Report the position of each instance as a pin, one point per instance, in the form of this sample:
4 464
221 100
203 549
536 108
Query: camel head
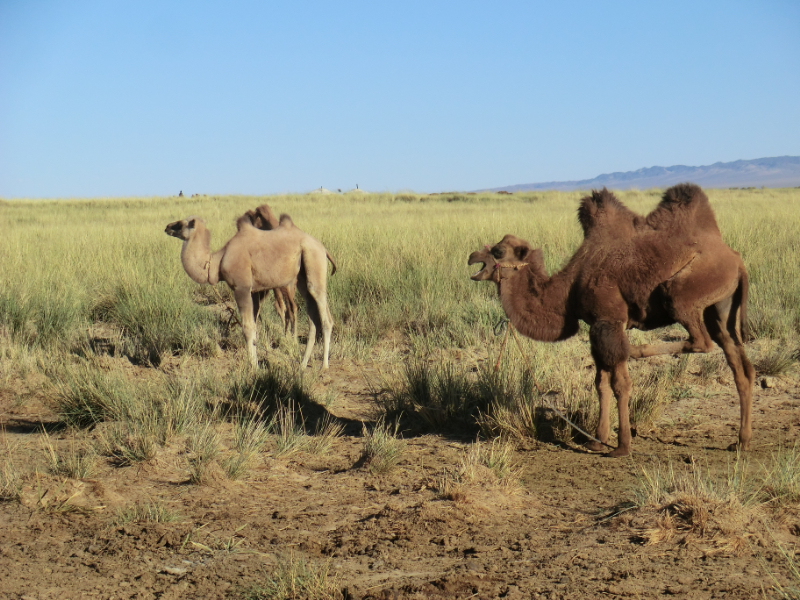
509 253
184 228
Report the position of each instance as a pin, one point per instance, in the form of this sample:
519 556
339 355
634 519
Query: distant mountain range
780 171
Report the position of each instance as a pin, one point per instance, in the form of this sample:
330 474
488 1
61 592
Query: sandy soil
568 532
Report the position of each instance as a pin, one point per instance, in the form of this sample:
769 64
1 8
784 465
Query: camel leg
602 383
280 306
621 384
699 339
291 309
722 320
257 298
244 300
313 317
319 316
610 350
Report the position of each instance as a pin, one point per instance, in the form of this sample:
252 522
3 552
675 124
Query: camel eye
497 252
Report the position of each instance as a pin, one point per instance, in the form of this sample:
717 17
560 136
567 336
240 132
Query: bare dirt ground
569 532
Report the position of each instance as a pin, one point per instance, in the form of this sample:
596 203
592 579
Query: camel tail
333 264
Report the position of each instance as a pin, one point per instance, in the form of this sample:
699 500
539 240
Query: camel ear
522 253
191 224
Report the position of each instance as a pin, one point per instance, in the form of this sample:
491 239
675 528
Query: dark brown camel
632 272
263 218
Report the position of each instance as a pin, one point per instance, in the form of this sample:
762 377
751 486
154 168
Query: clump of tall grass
146 512
86 395
144 414
688 502
249 437
649 395
203 442
43 319
266 391
10 476
326 431
76 462
782 476
131 441
445 395
483 464
712 366
382 448
290 434
776 359
296 577
157 321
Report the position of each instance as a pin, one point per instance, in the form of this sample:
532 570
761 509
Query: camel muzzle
486 260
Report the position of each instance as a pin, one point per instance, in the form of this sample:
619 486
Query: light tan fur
263 218
253 262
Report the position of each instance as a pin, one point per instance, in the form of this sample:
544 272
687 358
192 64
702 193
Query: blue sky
121 98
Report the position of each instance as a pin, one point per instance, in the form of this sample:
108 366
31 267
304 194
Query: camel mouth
487 262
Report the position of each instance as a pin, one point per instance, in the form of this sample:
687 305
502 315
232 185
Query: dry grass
10 476
76 461
382 448
155 511
484 465
691 507
204 445
775 359
297 578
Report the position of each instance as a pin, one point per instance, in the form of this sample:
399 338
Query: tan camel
286 307
632 272
263 218
253 262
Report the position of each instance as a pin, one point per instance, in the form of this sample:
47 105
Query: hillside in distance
780 171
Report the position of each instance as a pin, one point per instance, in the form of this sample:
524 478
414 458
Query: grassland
130 359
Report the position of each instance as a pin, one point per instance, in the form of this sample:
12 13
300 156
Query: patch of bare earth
566 532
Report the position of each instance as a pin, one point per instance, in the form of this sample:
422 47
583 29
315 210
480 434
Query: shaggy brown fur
253 262
632 272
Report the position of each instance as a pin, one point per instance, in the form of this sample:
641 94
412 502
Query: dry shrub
295 577
482 466
382 448
712 366
649 394
776 359
690 507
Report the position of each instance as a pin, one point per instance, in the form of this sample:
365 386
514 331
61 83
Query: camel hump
286 221
245 221
260 218
603 209
686 206
265 217
684 194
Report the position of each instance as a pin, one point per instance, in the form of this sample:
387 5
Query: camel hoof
594 446
739 446
619 452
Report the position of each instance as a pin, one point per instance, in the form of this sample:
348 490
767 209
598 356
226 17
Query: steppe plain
141 458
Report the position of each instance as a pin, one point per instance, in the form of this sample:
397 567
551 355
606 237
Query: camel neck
196 255
538 305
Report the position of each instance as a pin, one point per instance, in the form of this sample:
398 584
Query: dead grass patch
690 507
296 578
482 466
